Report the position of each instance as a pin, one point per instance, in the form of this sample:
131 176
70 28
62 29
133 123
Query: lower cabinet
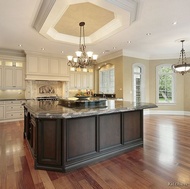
2 107
11 110
44 140
49 143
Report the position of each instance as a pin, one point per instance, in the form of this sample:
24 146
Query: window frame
106 69
173 102
142 86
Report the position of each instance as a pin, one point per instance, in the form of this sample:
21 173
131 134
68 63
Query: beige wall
128 77
118 63
124 82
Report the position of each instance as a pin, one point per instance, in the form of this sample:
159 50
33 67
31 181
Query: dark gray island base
64 139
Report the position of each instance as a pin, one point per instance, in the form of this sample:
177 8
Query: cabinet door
32 64
75 80
54 67
84 81
1 77
9 72
87 80
90 81
18 78
64 69
49 142
1 112
14 78
78 80
43 65
72 80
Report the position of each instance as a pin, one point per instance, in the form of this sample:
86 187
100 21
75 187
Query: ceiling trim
51 11
43 13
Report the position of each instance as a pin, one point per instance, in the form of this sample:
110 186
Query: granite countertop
12 99
52 109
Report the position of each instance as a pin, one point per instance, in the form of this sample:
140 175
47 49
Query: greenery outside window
165 84
107 80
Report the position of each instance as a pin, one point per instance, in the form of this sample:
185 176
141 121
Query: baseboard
167 112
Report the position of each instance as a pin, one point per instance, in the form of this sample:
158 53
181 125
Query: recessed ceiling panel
60 20
94 17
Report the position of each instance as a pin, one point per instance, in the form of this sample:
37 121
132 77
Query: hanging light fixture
83 59
183 67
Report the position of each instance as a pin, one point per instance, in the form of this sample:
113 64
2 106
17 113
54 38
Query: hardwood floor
163 162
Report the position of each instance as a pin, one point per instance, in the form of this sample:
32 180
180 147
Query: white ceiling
17 18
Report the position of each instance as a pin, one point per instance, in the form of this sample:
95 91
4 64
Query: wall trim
166 112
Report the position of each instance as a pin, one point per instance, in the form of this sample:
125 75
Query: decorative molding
110 56
9 52
129 5
51 10
43 13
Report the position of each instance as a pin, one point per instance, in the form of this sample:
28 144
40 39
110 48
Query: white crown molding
44 11
10 53
135 54
37 53
110 56
129 5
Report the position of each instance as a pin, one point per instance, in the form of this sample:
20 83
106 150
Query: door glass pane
8 63
19 64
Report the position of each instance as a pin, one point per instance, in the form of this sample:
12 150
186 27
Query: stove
55 98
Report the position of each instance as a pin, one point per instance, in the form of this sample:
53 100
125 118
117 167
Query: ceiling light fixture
84 59
183 67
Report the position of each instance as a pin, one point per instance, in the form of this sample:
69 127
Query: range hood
46 67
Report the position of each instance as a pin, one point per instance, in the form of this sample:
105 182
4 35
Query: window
107 80
165 84
138 83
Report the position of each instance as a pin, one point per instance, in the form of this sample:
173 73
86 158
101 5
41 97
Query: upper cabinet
81 80
12 75
40 67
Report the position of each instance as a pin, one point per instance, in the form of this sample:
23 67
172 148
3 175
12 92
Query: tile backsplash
45 88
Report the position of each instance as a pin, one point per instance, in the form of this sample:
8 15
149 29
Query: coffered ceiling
148 29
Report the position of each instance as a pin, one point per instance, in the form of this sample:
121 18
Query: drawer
14 115
15 102
14 107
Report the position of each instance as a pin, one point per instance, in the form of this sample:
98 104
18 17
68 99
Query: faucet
103 95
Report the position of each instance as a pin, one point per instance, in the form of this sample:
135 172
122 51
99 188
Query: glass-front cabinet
11 74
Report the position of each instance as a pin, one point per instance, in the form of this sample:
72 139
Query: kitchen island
63 139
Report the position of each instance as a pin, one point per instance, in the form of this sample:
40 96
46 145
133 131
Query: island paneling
64 139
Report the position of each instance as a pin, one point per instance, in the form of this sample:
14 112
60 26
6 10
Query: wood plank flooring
163 162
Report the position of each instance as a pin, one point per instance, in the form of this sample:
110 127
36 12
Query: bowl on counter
81 97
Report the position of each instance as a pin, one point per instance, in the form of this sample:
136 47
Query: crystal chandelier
183 67
83 59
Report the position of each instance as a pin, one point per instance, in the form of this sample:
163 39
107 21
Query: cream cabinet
81 80
2 107
1 76
87 80
14 109
75 80
12 75
43 67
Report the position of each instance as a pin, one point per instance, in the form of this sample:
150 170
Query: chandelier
83 59
183 67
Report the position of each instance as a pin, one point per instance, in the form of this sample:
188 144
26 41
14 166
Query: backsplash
45 88
12 94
